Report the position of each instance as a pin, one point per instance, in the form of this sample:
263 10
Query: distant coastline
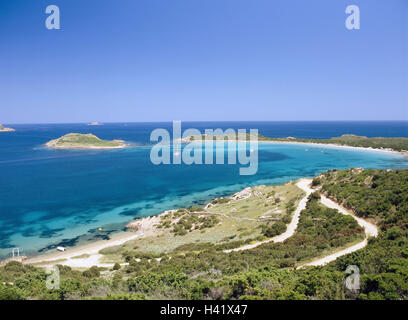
348 141
327 145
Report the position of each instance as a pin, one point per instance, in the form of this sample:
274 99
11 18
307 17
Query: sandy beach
324 145
88 255
327 145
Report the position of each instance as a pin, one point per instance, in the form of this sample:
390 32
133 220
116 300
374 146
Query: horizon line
189 121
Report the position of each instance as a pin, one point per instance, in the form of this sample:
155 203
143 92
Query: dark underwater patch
183 194
63 243
131 212
30 232
49 233
5 243
269 156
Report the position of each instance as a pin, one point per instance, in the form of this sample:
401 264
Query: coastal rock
243 194
4 129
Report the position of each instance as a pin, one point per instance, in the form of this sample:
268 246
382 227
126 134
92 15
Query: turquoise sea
60 197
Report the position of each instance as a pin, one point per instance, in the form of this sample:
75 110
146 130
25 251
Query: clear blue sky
162 60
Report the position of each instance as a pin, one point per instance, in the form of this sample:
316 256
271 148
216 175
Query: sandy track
291 228
369 228
334 256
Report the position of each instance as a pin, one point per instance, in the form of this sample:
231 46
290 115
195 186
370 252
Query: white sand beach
327 145
91 257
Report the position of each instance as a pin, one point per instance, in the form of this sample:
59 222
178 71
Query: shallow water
60 197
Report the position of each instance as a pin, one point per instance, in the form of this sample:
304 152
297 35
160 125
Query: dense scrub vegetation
375 194
205 271
187 220
382 196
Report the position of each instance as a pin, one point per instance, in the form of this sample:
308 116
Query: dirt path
369 228
291 228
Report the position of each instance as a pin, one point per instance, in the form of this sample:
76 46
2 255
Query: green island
390 144
4 129
84 141
187 256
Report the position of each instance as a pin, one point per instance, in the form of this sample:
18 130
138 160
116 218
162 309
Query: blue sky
163 60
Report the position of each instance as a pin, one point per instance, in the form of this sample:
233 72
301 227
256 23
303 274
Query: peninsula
4 129
392 144
84 141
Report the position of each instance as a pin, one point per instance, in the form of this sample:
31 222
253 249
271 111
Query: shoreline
137 228
90 249
335 145
84 147
328 145
143 226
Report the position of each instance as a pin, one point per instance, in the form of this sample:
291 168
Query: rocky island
84 141
4 129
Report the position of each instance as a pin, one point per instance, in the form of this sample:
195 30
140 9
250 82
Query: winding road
370 229
291 228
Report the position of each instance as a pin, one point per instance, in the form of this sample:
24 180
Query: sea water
61 197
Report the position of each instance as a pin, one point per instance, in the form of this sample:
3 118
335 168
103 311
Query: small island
4 129
96 123
84 141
